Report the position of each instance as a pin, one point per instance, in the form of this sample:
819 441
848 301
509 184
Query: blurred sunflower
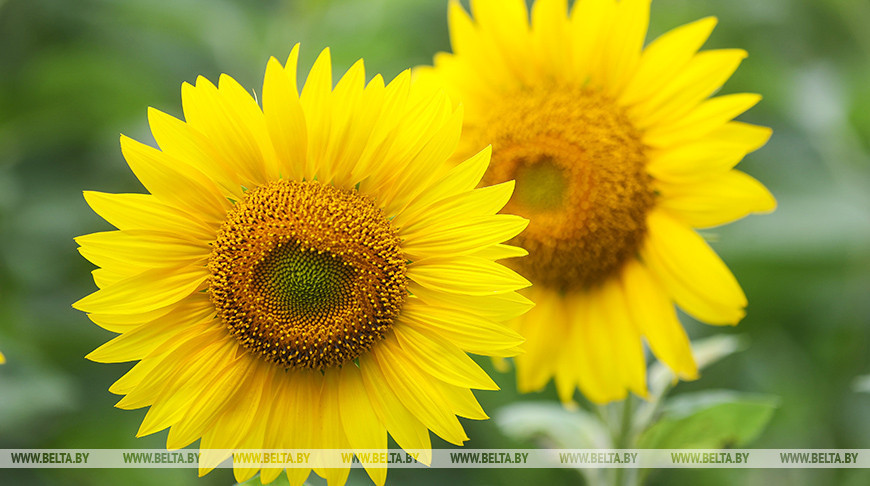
308 275
618 152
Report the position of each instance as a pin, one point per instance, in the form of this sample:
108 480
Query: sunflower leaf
710 420
549 424
281 480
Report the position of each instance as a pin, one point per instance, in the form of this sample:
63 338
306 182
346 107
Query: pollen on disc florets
579 166
307 275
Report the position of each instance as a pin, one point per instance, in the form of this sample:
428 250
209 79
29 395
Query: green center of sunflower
307 275
579 166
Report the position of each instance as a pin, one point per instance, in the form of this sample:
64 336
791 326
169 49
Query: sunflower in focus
305 275
619 153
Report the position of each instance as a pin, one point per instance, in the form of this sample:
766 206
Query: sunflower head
306 274
619 152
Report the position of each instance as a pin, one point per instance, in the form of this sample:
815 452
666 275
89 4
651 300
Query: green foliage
281 480
709 420
550 425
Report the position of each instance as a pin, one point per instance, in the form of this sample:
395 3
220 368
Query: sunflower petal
409 385
465 275
717 200
471 333
285 120
665 55
145 212
363 428
465 238
443 359
654 315
404 426
692 272
147 291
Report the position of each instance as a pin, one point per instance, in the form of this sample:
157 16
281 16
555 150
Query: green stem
623 437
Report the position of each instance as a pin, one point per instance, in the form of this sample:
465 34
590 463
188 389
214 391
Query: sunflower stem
622 439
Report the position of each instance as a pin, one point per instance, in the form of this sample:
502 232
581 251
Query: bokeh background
76 73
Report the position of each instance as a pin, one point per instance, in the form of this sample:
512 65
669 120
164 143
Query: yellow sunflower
619 153
305 275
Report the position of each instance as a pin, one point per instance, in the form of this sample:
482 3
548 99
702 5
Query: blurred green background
76 73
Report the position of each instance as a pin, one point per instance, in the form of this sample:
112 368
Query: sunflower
619 153
305 275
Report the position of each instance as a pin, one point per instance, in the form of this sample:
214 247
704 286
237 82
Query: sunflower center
579 166
307 275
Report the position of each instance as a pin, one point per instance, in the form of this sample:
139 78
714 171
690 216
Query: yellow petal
622 49
285 119
591 21
252 133
280 403
190 147
405 427
499 307
139 342
750 137
361 424
654 315
317 106
506 22
500 251
126 322
462 401
544 328
716 200
331 433
704 74
594 349
691 271
240 426
471 333
708 116
550 34
145 212
146 291
630 362
410 386
175 183
353 119
429 162
443 359
141 248
253 439
211 402
428 122
144 368
394 109
664 56
465 275
467 237
188 347
304 418
223 117
484 201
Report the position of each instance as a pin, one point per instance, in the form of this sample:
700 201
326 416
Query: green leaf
281 480
710 420
861 384
553 426
661 379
